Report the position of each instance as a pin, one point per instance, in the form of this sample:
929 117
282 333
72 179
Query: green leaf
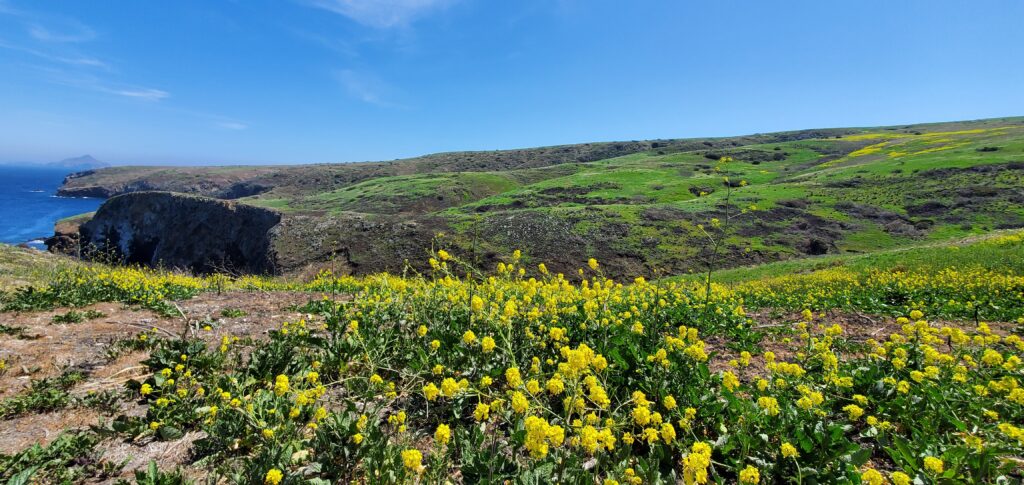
805 443
22 478
906 454
168 433
860 457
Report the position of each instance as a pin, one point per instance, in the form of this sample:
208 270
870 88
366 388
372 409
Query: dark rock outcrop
199 234
62 243
94 192
65 235
102 191
66 190
243 189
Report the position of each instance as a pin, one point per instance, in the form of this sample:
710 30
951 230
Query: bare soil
48 349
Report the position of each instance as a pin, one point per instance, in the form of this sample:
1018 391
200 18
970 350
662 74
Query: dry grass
21 266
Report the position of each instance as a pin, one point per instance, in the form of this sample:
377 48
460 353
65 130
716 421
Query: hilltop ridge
238 181
640 206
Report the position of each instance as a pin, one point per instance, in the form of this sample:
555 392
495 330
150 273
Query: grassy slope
295 181
973 252
873 191
411 193
21 267
853 190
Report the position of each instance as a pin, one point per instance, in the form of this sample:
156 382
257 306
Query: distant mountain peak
84 161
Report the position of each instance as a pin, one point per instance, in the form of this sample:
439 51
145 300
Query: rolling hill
641 207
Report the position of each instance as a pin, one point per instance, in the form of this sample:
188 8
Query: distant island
84 162
74 164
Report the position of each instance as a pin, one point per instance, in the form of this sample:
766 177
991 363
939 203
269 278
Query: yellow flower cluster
594 371
540 436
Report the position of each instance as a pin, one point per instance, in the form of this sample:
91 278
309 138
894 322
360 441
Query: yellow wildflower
413 460
443 434
273 477
750 475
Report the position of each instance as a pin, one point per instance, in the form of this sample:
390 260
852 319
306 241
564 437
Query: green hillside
647 210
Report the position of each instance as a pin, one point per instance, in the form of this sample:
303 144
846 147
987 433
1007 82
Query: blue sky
300 81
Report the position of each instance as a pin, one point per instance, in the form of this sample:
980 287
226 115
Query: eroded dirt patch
21 432
44 349
244 314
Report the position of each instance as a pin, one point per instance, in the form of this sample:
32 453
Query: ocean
28 206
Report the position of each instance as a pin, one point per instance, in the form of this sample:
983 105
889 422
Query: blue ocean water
28 206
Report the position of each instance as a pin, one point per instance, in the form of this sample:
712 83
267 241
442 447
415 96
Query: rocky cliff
180 231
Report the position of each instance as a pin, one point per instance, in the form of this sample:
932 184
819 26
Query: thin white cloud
90 82
82 61
382 14
73 32
70 60
232 125
147 94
